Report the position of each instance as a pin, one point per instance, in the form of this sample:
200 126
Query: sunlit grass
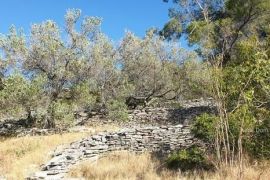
22 156
124 165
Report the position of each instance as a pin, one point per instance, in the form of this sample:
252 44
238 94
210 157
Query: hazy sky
118 15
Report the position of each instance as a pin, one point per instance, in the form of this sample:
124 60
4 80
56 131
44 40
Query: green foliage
259 144
20 95
215 27
172 29
152 66
248 95
204 127
197 80
241 118
83 98
86 70
189 159
62 113
117 110
240 8
56 72
232 36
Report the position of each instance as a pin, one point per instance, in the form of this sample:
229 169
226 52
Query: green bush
19 96
83 98
189 159
62 113
255 135
204 127
117 110
259 144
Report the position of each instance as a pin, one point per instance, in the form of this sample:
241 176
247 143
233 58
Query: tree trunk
2 85
31 120
50 116
49 121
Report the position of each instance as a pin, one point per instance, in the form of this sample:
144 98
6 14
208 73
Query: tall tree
216 26
63 64
232 35
151 64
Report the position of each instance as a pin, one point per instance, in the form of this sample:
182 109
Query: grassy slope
123 165
22 156
129 166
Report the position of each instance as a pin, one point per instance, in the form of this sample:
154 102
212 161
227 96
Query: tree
233 37
62 64
104 72
57 60
10 44
216 26
152 66
171 30
20 95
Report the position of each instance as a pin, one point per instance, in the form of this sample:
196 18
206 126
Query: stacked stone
168 115
149 114
146 116
154 139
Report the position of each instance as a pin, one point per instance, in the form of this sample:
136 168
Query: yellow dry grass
121 166
124 165
250 172
22 156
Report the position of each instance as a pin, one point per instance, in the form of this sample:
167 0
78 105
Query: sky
118 15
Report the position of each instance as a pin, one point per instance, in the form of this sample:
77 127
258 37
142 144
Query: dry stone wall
137 118
168 115
155 139
159 115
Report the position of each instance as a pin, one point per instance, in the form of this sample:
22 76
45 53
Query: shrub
117 110
204 127
83 98
259 146
20 96
189 159
63 113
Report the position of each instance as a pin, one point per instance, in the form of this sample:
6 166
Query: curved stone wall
155 139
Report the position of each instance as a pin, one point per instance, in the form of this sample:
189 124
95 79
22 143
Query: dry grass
123 165
22 156
250 172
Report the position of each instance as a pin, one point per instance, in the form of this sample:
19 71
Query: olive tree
63 63
152 66
21 97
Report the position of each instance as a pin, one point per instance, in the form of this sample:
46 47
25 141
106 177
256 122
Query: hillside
183 95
